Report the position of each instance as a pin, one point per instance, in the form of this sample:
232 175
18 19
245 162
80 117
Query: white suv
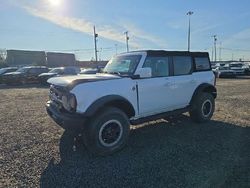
135 87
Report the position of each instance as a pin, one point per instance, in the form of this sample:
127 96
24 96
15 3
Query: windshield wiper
117 73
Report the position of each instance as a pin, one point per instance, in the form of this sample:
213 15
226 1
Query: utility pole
95 42
220 51
215 40
212 53
127 39
189 27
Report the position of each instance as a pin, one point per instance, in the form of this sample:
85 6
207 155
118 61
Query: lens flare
55 2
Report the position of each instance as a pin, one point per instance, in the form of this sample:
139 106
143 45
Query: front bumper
73 122
227 74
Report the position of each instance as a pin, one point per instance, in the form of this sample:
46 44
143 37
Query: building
60 59
91 64
22 57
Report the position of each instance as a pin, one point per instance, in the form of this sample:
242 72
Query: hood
71 81
48 74
13 73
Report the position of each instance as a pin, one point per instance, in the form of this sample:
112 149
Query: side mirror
145 72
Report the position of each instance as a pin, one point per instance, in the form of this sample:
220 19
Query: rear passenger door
184 82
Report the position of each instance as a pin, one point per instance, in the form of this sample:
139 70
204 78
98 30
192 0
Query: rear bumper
73 122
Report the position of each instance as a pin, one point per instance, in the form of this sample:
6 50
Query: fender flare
117 101
205 87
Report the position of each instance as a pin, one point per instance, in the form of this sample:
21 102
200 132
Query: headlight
69 102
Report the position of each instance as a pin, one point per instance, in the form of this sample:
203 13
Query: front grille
56 93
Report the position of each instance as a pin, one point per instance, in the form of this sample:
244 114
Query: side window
32 71
202 63
69 71
159 66
182 65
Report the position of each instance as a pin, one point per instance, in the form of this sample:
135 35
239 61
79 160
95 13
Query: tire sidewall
94 127
196 113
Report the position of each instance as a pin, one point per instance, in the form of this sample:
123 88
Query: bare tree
3 54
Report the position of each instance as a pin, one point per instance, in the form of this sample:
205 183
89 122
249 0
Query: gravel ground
35 152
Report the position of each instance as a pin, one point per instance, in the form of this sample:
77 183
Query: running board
160 116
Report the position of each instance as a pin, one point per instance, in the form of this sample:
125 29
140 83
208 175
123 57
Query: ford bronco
134 87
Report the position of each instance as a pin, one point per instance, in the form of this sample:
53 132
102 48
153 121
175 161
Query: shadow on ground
166 154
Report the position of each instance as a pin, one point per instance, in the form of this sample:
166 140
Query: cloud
114 33
240 39
140 34
76 24
205 28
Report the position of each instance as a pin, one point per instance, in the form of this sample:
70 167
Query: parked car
59 71
89 71
134 87
24 75
221 72
237 67
246 68
219 65
6 70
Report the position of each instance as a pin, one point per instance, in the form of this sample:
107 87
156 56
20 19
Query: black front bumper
73 122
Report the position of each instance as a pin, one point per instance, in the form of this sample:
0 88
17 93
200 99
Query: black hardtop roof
173 53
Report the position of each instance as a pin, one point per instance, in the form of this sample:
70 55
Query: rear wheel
107 131
202 108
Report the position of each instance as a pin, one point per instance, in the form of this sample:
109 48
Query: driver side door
156 93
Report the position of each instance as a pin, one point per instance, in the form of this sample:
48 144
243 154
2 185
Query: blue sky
66 25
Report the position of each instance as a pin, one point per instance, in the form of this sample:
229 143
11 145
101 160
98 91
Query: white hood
68 80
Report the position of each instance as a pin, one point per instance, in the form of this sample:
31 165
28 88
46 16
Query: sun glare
55 2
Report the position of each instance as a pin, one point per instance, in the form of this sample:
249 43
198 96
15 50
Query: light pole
189 27
95 41
215 40
127 39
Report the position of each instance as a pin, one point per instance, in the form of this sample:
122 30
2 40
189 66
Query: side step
160 116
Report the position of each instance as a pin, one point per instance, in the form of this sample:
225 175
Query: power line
235 49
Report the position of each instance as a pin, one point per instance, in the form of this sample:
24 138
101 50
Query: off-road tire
202 108
98 127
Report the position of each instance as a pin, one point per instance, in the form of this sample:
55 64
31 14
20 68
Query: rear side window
69 71
182 65
33 71
158 65
202 63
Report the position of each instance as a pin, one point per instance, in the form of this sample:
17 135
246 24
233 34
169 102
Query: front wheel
202 108
107 131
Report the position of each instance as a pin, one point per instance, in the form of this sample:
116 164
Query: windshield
56 70
122 65
22 70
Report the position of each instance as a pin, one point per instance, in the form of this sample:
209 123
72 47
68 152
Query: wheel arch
208 88
111 100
